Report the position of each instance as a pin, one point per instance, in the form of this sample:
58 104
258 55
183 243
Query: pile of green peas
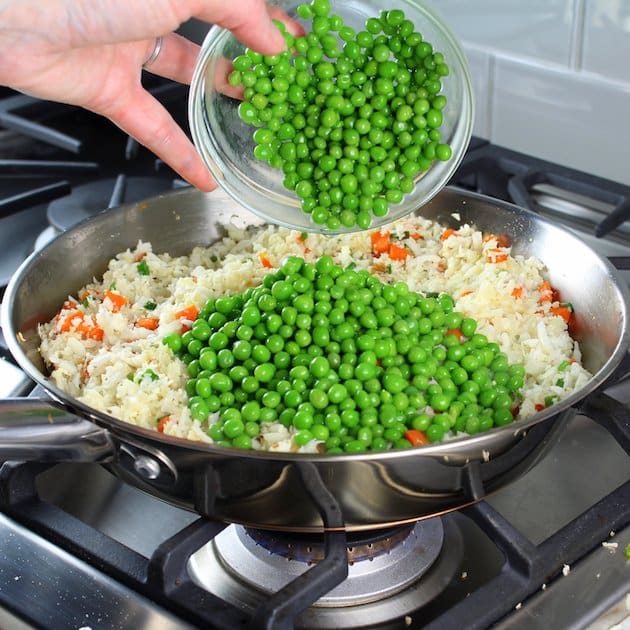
351 118
339 357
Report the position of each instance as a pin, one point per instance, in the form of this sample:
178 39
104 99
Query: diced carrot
517 292
503 240
562 311
416 236
447 233
546 292
264 260
467 292
416 438
140 256
496 255
150 323
441 266
96 333
90 330
539 407
380 243
457 332
190 313
71 320
162 423
117 300
398 253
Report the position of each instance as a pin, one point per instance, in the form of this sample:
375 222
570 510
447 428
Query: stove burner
310 548
392 572
90 199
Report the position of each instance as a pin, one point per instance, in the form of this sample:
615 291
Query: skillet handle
33 429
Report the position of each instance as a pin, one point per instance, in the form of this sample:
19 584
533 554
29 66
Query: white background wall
551 77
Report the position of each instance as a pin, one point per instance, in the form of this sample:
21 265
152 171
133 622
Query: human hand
90 53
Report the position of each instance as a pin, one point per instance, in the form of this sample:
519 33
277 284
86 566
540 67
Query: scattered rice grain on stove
131 375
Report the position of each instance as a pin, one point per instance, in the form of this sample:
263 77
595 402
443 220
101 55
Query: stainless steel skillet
271 490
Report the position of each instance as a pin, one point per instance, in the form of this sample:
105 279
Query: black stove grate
512 176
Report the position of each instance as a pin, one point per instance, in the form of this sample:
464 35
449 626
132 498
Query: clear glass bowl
226 145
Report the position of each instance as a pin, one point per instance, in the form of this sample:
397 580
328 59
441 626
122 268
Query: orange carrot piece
72 319
96 333
517 292
496 255
457 332
190 312
150 323
380 243
416 438
546 292
562 311
503 240
162 423
265 261
90 330
117 300
416 236
447 233
467 292
398 253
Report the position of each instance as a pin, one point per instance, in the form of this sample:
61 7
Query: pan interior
178 221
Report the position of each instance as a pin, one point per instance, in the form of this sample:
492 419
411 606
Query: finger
144 118
176 60
295 28
220 79
249 21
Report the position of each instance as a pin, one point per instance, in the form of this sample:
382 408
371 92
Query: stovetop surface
68 584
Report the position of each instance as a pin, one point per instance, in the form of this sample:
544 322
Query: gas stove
82 549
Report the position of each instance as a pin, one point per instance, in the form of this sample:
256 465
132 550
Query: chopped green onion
150 306
150 374
143 268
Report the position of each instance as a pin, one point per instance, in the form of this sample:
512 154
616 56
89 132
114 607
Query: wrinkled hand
90 53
